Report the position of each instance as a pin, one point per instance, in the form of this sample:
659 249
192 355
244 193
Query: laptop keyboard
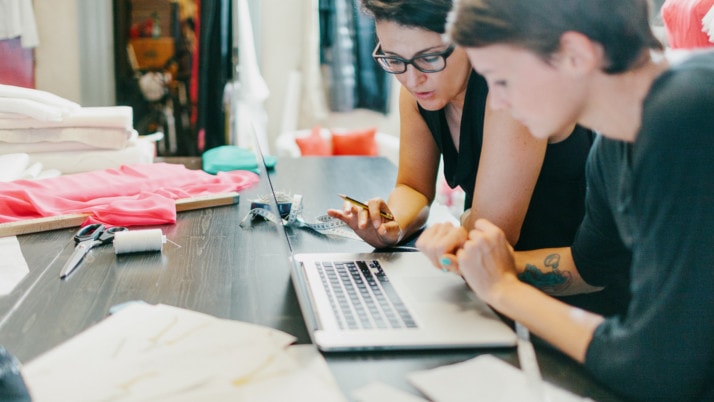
362 297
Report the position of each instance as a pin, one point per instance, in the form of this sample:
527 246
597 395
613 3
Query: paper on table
378 392
300 374
13 266
146 352
483 378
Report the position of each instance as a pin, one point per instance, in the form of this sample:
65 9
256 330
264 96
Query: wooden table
218 268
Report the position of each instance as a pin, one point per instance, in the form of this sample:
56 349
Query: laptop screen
271 198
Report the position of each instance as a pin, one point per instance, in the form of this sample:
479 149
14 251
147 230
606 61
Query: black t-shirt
650 217
557 204
556 207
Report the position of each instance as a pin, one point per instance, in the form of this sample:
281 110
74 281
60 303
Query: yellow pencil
385 215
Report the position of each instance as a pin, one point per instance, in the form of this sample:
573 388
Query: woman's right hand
440 242
369 224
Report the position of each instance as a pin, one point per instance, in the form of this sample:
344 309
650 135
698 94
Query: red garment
128 196
683 23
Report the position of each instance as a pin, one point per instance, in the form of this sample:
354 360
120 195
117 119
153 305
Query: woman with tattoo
650 189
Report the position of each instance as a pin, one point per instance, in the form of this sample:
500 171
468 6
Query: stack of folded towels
43 135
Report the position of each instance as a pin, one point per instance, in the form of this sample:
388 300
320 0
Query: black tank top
557 204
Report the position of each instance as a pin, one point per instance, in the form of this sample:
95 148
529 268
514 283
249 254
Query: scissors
87 238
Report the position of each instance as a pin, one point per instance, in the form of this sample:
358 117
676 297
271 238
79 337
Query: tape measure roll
284 204
325 224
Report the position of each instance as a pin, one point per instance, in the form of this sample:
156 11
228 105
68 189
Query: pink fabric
128 196
683 23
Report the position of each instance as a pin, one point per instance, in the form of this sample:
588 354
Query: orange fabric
355 142
128 196
683 23
314 144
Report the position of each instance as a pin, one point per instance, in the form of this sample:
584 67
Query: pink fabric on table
127 196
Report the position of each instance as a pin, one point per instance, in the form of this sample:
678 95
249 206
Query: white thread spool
135 241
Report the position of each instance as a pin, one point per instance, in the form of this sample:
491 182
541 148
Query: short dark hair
426 14
620 26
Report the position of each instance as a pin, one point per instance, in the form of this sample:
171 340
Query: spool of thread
136 241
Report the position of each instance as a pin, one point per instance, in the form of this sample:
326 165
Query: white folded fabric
137 151
31 108
41 103
12 166
105 116
104 138
17 166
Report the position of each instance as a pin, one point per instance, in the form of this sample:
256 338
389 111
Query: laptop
388 301
391 301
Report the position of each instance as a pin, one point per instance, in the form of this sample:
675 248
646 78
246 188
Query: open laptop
395 300
388 300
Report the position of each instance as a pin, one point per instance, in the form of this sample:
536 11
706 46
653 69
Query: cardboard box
152 53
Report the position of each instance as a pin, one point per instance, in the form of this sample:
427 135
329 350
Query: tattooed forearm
552 282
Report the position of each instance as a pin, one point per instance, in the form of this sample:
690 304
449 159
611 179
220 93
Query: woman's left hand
486 260
440 242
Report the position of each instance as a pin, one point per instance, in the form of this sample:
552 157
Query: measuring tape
290 211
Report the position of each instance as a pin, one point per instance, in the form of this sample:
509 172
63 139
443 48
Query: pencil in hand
385 215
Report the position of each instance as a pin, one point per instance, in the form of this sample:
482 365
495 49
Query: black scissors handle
97 232
89 232
87 238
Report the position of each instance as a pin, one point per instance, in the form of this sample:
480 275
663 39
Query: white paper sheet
483 378
146 352
13 267
379 392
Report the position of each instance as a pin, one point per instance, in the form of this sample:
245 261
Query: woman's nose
412 76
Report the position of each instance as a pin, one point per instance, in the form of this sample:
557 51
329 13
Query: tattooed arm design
553 271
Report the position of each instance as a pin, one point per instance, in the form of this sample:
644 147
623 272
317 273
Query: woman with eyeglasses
532 188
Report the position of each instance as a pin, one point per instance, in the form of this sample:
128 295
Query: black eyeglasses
426 63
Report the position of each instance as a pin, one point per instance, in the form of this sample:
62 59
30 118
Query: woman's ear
579 54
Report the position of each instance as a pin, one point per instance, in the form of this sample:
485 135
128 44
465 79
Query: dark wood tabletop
212 265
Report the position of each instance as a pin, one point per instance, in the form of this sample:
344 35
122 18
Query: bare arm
510 162
511 159
551 270
568 328
414 189
418 166
488 265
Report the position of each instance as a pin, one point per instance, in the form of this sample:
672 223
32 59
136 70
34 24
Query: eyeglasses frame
444 54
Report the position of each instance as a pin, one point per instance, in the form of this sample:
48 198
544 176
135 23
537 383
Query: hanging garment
215 69
684 23
17 19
